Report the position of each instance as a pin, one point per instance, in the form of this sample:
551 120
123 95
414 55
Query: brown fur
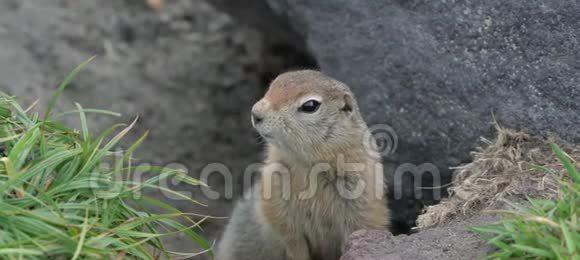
315 226
288 87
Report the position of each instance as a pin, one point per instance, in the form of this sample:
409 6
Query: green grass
67 194
544 230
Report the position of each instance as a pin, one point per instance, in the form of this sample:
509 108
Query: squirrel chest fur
318 209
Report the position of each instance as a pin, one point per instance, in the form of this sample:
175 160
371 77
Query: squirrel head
305 110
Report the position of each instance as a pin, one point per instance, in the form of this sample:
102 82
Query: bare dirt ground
189 72
451 241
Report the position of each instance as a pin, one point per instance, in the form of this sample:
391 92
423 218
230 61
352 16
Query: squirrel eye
309 106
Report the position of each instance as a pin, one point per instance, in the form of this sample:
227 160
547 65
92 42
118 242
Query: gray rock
437 71
452 241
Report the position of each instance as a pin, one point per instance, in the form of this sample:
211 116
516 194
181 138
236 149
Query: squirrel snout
259 111
256 118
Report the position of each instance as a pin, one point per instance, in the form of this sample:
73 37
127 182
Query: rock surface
453 241
438 71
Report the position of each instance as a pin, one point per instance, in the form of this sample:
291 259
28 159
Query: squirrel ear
348 103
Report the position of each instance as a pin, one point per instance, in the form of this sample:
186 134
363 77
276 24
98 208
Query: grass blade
63 85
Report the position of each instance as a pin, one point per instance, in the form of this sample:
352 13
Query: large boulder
438 71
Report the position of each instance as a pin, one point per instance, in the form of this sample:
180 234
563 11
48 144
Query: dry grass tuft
509 169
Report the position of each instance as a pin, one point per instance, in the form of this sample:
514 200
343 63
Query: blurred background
187 70
435 71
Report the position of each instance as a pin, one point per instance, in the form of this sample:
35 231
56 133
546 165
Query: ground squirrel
321 179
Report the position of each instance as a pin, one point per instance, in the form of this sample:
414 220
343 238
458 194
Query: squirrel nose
259 111
257 118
